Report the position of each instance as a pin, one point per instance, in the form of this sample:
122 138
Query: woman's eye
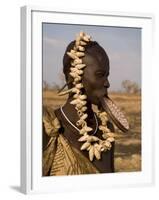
100 74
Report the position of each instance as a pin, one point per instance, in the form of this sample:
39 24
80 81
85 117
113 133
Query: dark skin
95 81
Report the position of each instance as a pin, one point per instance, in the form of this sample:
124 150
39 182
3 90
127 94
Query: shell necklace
91 143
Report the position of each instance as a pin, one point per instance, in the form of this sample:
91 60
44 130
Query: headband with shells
92 144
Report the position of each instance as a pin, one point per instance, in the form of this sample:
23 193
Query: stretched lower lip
114 113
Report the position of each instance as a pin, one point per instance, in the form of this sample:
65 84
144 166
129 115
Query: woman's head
95 76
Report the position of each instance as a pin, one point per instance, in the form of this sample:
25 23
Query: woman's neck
71 112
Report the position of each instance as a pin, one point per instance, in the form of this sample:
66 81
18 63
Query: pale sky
123 46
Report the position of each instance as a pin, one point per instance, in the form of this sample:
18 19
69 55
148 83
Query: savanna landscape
127 145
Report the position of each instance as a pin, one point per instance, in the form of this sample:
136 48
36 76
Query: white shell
71 55
79 123
82 43
104 129
80 66
81 34
80 113
102 114
107 144
83 138
85 130
103 118
73 69
74 102
91 153
104 135
80 54
78 38
92 139
79 106
97 153
79 85
80 72
84 108
83 103
85 145
77 43
81 48
75 96
73 74
73 64
77 61
84 116
77 79
82 132
76 71
83 97
88 129
75 90
103 122
85 38
73 51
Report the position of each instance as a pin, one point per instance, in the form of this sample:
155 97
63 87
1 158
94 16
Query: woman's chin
96 102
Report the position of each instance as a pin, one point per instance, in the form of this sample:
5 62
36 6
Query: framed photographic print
86 100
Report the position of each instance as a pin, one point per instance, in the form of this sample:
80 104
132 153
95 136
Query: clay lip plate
115 114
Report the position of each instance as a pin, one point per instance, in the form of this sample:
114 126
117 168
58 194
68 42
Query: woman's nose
106 83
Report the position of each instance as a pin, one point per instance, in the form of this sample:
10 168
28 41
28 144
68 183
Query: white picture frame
31 101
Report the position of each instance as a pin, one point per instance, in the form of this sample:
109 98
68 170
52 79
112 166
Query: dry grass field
128 145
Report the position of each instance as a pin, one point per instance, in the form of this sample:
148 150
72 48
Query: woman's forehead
96 61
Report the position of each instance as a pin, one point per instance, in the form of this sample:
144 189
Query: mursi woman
77 139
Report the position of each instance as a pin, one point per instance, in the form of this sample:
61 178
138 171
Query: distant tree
130 87
55 86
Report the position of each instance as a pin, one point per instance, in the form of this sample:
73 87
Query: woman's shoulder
50 121
48 111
